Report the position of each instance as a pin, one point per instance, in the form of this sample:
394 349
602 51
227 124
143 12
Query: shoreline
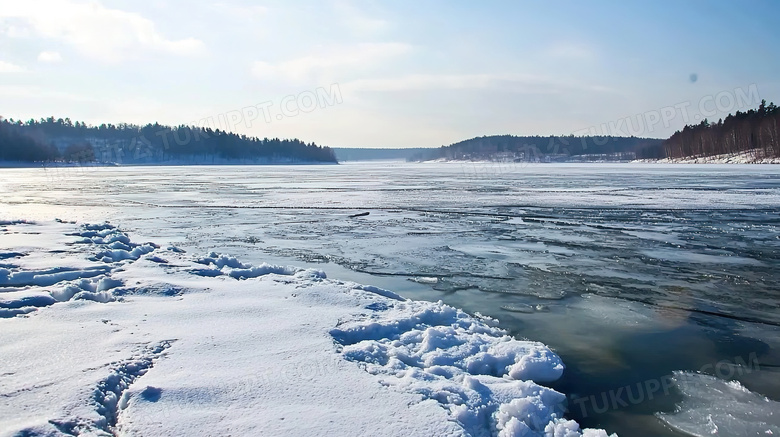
753 156
14 164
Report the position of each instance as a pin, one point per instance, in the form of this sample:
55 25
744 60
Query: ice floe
714 407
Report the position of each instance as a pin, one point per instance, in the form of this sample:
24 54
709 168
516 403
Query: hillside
756 131
542 149
63 140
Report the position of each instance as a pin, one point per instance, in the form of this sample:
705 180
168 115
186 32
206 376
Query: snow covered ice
101 335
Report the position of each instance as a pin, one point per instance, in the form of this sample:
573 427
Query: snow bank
714 407
105 341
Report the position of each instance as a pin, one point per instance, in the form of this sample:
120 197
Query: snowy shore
746 157
101 335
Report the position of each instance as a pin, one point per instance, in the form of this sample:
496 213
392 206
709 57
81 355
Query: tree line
53 139
532 148
15 145
755 130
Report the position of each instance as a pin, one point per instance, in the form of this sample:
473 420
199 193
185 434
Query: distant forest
755 130
62 140
51 140
541 149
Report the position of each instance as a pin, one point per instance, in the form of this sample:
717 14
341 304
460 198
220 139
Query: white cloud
16 31
356 21
329 61
28 92
7 67
510 82
49 57
96 31
243 13
570 50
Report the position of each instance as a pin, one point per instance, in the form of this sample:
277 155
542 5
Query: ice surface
714 407
125 345
480 237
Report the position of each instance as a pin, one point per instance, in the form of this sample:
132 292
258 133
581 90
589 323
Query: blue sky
395 73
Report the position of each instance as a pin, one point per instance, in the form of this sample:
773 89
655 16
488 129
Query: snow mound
43 286
714 407
7 255
23 303
485 379
380 291
221 260
121 253
47 277
15 222
98 226
96 290
116 244
226 265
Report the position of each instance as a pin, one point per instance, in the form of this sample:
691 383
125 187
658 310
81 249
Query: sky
399 73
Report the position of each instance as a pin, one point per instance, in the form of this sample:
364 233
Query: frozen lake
629 272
